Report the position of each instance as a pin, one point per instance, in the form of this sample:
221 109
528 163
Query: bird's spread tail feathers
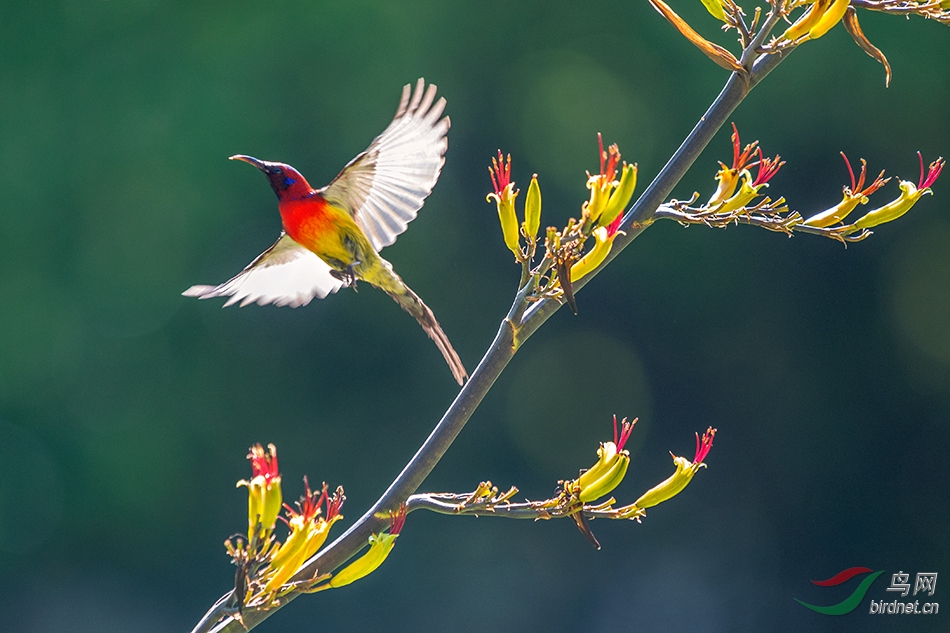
413 304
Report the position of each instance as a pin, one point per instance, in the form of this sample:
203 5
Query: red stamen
864 173
879 182
703 447
768 167
847 162
920 183
625 432
334 502
502 172
741 160
603 155
735 147
264 463
932 173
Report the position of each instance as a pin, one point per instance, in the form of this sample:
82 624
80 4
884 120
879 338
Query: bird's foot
347 275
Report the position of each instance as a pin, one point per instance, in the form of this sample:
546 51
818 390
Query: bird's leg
347 275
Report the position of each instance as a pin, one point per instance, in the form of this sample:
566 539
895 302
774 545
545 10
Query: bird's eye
278 171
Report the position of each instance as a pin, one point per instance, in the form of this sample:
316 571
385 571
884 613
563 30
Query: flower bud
532 209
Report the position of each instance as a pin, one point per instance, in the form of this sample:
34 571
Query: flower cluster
565 260
265 564
584 496
737 199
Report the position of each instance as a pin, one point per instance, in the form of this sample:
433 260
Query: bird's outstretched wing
385 186
286 274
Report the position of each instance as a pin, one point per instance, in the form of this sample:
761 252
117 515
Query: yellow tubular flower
685 470
853 196
728 177
716 9
908 198
532 209
910 194
746 194
290 556
308 533
750 188
504 197
611 467
608 481
318 536
838 212
830 18
809 19
621 196
603 183
596 255
379 547
605 458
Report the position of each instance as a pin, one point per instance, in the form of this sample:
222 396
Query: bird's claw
347 276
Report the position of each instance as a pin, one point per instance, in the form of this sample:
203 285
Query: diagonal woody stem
501 351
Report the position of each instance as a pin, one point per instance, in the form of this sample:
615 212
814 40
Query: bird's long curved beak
250 160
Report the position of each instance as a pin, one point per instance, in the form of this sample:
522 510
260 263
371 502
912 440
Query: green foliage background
126 410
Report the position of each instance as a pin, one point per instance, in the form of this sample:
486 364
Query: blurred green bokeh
126 410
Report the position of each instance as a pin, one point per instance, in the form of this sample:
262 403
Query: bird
332 236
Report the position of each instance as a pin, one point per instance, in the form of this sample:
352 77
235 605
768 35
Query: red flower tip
703 446
264 463
501 175
932 173
397 519
768 167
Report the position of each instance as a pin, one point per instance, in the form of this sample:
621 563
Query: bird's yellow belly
329 232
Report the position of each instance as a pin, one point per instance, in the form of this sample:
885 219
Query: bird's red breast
306 219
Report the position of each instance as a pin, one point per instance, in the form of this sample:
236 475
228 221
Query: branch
502 349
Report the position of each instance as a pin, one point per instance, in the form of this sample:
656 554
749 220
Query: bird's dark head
286 181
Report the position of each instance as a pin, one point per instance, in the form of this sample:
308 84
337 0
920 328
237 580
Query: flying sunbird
332 236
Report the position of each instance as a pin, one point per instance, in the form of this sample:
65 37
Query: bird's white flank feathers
286 274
